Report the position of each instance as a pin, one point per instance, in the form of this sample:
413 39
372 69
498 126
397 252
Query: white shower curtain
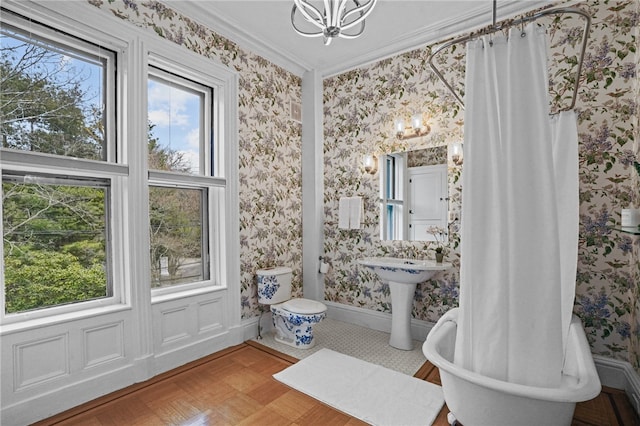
519 214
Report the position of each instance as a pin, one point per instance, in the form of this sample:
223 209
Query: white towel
350 212
355 212
344 212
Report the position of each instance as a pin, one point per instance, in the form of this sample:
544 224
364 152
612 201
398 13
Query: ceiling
394 26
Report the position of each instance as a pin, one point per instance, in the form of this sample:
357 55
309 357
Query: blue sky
176 115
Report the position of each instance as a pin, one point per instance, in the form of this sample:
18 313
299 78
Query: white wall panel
103 344
210 315
41 360
174 325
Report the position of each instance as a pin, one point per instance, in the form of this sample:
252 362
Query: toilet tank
274 285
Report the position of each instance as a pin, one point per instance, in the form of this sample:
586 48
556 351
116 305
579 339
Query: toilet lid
304 306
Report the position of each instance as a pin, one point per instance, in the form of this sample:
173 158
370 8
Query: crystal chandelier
336 19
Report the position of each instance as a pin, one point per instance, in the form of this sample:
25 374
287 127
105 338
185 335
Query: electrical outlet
295 111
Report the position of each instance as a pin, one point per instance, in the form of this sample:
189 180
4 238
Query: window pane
390 182
175 126
54 234
177 243
52 97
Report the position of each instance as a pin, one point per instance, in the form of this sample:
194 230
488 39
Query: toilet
293 319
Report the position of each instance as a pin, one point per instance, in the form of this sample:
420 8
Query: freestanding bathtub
474 399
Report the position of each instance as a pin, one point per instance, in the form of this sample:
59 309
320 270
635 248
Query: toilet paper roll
324 268
630 217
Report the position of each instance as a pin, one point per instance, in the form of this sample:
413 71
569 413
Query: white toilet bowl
293 319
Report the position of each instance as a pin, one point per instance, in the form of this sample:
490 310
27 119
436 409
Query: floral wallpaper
361 105
359 108
270 178
427 156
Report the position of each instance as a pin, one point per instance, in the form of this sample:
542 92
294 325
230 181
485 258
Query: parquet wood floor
235 387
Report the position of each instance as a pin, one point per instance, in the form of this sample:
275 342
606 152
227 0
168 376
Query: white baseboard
619 375
41 406
375 320
380 321
250 326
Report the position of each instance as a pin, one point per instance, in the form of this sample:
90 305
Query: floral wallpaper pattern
427 156
361 105
270 178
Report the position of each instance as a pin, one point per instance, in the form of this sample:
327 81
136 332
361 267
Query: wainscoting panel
191 327
103 344
40 361
210 315
175 324
57 364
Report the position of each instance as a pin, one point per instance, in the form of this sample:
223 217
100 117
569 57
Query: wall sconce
370 163
417 127
456 153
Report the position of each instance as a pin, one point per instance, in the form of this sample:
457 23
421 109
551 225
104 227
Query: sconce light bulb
416 122
398 125
370 163
456 153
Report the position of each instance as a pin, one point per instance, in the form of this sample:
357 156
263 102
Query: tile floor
356 341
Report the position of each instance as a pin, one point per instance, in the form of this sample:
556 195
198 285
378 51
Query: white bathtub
478 400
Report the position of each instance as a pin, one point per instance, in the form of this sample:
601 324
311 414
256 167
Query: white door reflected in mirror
413 194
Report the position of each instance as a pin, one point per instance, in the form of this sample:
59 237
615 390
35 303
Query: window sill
20 325
165 297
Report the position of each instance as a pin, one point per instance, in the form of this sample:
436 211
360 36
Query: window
54 94
179 152
392 199
57 102
178 249
55 240
73 212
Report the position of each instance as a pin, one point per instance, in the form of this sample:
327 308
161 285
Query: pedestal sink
402 275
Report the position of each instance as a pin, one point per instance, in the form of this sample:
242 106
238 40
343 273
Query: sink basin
402 276
404 271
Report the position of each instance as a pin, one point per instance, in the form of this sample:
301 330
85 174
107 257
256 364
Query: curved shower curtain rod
510 23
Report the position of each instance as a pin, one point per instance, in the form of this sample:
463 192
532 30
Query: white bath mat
369 392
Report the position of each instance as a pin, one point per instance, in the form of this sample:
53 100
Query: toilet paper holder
324 267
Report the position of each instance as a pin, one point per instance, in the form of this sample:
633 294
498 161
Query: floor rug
369 392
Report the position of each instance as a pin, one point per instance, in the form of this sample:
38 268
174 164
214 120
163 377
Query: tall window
179 153
56 103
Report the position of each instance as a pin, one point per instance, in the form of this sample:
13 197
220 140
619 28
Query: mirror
413 194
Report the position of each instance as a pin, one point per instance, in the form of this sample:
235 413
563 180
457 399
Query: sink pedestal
401 306
402 275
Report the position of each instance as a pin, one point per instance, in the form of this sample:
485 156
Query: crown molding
206 14
232 30
475 19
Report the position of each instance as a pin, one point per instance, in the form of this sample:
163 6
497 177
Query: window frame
108 168
211 178
393 211
91 48
172 79
126 166
19 162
